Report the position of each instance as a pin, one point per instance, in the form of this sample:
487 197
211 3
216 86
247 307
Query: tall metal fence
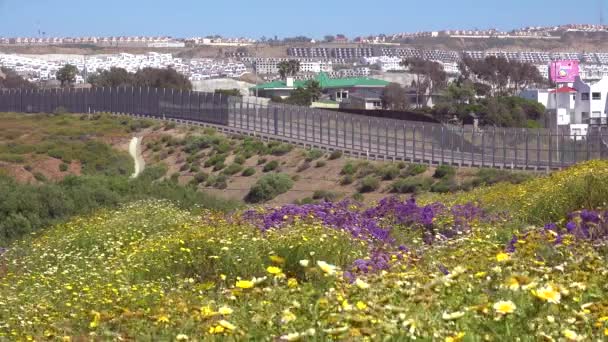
357 135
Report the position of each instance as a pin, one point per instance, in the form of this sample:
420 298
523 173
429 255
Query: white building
591 106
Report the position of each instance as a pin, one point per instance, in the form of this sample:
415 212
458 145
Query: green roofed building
334 89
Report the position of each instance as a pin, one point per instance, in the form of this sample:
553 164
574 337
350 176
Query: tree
288 68
429 75
161 78
229 92
115 77
394 97
329 38
314 90
9 79
300 97
67 75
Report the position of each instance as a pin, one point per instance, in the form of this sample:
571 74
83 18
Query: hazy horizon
316 18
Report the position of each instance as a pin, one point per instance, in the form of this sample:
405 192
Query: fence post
369 135
432 145
423 143
527 147
276 121
483 148
562 150
494 147
504 148
442 145
550 150
414 144
306 125
472 147
537 149
352 135
404 142
587 138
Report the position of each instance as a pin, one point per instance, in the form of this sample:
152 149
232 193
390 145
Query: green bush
335 155
349 169
320 163
411 185
326 195
444 185
346 180
280 149
240 159
414 170
194 168
63 167
12 158
218 181
493 176
358 197
40 177
444 171
365 169
388 172
200 177
304 166
369 184
232 169
248 172
217 159
271 166
269 187
262 161
314 154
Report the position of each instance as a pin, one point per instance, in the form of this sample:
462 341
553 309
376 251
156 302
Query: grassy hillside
450 270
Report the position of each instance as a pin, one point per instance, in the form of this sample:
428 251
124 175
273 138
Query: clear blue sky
256 18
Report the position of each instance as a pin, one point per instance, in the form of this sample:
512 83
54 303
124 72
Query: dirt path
135 152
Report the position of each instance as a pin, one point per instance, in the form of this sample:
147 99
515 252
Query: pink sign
563 71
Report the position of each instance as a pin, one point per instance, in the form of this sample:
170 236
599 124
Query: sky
257 18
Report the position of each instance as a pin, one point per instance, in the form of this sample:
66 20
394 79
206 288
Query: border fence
356 135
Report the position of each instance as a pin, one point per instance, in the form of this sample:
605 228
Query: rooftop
326 82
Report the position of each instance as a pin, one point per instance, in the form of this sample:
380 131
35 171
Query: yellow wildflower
287 317
292 282
273 270
549 294
182 337
245 284
162 319
513 284
327 268
277 259
361 284
224 310
571 335
207 311
456 338
216 330
500 257
504 307
361 306
227 325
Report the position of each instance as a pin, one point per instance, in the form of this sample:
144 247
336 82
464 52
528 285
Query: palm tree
294 67
284 69
314 90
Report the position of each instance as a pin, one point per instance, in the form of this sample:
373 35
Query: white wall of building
591 101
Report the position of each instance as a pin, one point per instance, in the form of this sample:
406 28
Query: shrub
39 176
63 167
175 177
262 161
320 163
313 155
335 155
200 177
295 178
414 170
358 197
410 185
346 180
269 187
305 200
493 176
281 149
169 126
443 186
218 181
365 169
444 171
326 195
369 184
217 159
248 172
218 166
28 168
271 166
184 167
304 166
11 158
194 168
240 159
349 169
388 172
232 169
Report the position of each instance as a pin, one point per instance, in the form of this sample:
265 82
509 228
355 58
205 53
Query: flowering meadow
524 262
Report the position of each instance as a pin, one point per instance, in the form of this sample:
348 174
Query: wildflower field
525 262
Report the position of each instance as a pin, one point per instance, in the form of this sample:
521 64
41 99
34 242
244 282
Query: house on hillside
338 89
